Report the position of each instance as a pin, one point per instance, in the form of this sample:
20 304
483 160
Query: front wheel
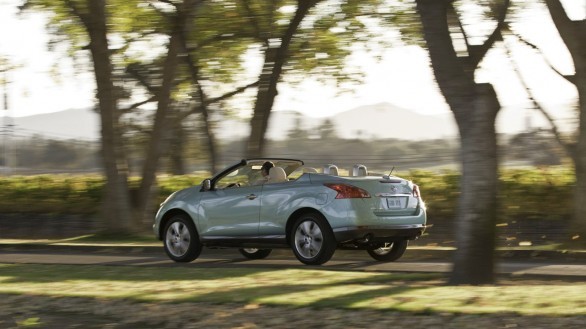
312 239
181 240
253 253
389 252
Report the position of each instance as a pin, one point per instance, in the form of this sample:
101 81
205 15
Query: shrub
523 193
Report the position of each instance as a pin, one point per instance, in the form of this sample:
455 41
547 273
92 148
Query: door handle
251 197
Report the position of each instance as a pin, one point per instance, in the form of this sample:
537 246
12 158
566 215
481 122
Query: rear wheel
254 253
181 240
389 252
312 239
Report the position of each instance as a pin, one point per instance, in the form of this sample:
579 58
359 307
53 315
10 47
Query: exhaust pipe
365 239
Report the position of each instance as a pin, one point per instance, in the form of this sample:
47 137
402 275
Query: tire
253 253
390 252
181 240
312 239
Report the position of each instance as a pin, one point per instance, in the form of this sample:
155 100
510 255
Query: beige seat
277 175
309 170
359 170
331 169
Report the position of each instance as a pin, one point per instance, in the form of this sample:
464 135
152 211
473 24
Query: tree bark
176 150
274 60
116 203
475 107
474 260
573 33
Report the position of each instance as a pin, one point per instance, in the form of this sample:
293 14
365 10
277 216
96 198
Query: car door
230 213
275 205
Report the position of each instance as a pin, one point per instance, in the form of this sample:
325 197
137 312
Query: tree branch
571 32
477 53
142 80
136 105
568 147
232 93
454 15
558 14
210 101
570 78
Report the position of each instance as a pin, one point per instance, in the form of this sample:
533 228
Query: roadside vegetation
534 203
523 193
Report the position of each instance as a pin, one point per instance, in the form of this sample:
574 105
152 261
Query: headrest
277 175
309 170
331 169
359 170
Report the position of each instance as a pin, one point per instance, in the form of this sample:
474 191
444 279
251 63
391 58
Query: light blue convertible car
292 207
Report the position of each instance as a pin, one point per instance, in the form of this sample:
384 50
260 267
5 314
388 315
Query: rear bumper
383 233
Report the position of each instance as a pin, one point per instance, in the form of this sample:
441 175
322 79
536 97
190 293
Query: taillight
346 191
416 192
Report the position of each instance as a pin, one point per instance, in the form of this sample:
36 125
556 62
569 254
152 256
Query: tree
313 39
158 139
327 130
89 21
274 59
93 16
297 133
475 107
573 34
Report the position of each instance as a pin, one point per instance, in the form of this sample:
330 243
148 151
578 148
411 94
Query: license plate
396 202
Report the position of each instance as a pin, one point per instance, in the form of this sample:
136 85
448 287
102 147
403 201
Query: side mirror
206 185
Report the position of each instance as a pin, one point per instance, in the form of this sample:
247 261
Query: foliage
543 193
50 194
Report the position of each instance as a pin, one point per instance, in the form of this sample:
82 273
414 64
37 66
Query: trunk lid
390 195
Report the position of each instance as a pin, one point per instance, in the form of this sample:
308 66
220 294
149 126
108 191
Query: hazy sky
403 77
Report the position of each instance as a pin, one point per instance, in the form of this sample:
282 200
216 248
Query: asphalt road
345 261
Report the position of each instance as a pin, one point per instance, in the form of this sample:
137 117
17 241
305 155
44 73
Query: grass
419 293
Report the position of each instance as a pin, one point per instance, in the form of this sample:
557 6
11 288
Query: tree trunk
475 108
211 139
176 150
160 133
476 217
274 60
265 98
116 205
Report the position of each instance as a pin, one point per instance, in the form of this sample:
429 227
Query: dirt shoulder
50 312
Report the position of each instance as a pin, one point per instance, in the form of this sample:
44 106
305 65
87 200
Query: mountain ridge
376 121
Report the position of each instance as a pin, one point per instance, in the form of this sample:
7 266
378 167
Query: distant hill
376 121
388 121
69 124
373 121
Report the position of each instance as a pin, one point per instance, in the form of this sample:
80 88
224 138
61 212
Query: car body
312 213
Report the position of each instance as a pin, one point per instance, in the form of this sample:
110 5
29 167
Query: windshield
250 173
